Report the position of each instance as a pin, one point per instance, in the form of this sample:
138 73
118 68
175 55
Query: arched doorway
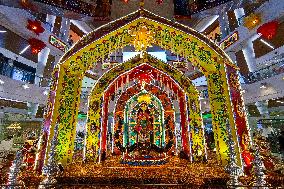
96 136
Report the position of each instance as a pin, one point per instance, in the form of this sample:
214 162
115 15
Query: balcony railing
43 82
9 69
274 69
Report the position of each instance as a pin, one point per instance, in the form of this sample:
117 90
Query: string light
98 99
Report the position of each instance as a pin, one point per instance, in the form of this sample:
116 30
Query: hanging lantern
36 45
159 2
268 30
35 26
252 21
28 5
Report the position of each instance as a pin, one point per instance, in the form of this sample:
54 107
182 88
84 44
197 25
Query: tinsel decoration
232 168
51 169
14 171
259 176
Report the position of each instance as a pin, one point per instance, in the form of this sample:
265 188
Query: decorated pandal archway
132 108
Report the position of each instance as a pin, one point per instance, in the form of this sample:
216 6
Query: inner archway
154 87
96 136
159 95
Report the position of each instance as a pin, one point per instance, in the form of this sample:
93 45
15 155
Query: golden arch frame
63 101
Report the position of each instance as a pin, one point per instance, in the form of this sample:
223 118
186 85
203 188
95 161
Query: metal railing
276 68
42 82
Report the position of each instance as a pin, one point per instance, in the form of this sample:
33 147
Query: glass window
17 74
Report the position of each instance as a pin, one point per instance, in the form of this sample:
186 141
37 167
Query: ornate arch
152 89
193 46
94 129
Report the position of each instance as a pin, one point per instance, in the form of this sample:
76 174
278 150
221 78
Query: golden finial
141 4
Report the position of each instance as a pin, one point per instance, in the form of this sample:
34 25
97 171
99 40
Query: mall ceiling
98 12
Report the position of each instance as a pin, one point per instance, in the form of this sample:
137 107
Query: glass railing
276 68
204 94
8 69
43 82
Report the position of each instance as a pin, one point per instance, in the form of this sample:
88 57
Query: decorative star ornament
143 38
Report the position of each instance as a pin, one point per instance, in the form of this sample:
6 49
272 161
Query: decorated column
240 115
104 126
50 112
222 113
92 138
184 126
64 113
196 129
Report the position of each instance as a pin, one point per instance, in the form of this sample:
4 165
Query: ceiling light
266 43
2 31
24 50
1 82
25 86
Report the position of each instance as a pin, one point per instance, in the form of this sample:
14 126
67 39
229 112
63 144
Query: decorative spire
14 170
141 4
259 176
51 169
234 170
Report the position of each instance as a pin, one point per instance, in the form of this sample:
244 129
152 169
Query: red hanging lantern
35 26
36 45
159 2
268 30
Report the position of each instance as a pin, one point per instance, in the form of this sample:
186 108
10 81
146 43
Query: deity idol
144 126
